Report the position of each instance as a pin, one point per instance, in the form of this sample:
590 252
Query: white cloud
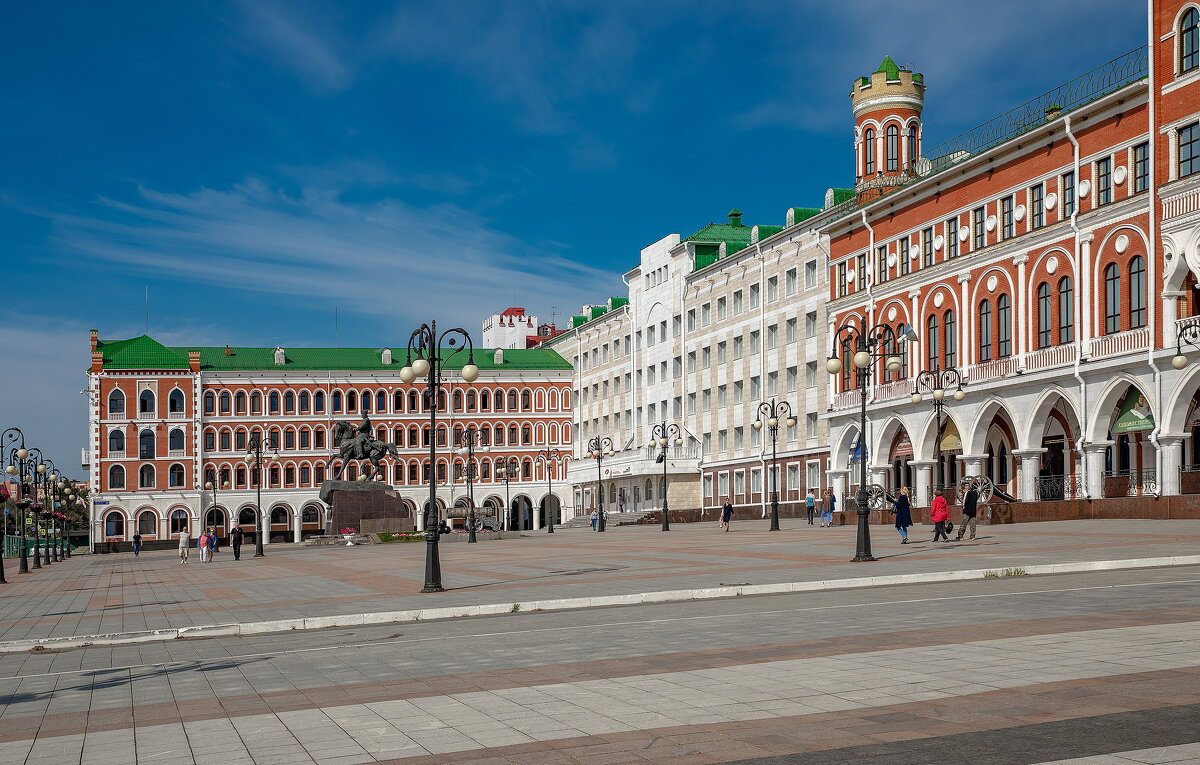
384 257
287 37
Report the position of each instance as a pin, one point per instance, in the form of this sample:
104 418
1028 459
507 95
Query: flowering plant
347 531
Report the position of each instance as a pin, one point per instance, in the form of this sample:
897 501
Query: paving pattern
91 595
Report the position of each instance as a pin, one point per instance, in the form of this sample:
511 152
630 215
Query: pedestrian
595 518
903 511
212 541
137 544
726 514
970 510
235 539
939 513
830 506
202 546
185 542
810 506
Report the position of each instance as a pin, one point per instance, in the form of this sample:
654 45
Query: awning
951 441
902 446
1134 413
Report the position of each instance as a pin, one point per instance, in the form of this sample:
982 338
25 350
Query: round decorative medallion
892 313
990 223
1051 200
1051 264
938 299
1119 174
913 253
891 261
1084 187
964 233
1019 213
938 241
992 282
1122 243
850 275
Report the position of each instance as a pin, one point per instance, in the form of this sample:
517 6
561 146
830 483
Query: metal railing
1087 87
1131 483
1054 487
12 546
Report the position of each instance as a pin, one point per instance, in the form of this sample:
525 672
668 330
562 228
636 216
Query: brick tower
887 126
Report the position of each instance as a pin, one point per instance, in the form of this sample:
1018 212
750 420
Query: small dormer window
280 357
386 356
498 357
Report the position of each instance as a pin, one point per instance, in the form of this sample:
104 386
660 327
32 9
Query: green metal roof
890 68
721 232
797 214
762 232
146 353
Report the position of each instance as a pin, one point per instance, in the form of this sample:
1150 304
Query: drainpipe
1152 261
762 364
629 307
870 321
1079 308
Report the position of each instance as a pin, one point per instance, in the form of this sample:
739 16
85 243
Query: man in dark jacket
969 511
235 539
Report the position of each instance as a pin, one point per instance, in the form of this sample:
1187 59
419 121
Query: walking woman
900 506
827 510
939 513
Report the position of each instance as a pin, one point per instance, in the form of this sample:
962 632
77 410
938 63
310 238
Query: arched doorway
520 514
312 522
281 524
900 455
216 518
946 469
1129 461
551 510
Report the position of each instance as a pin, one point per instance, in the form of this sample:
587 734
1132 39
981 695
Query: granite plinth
367 507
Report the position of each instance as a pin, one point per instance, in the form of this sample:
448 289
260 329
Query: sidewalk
133 597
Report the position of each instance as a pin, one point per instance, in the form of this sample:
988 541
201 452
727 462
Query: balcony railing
891 390
116 415
991 370
674 452
151 415
177 452
847 399
1048 358
115 455
1127 483
1121 342
177 415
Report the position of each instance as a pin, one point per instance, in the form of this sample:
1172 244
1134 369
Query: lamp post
13 454
426 345
211 485
771 412
1188 335
599 448
661 436
470 437
509 470
258 451
36 477
871 345
49 479
550 457
937 382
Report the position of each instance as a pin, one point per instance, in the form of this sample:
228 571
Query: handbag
949 526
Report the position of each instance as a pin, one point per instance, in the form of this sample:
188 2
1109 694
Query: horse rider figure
363 439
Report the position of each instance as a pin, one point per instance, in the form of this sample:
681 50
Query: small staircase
614 519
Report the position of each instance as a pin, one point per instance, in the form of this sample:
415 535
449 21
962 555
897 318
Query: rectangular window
737 347
1068 194
772 289
952 238
1037 206
1104 181
881 264
754 296
793 333
860 271
755 343
793 379
810 275
1189 150
810 426
927 247
772 383
676 331
721 352
738 392
737 302
1141 167
810 374
705 315
980 231
755 388
721 303
773 337
691 403
902 249
705 358
1003 327
841 279
722 441
1006 218
691 320
739 438
722 396
810 325
791 284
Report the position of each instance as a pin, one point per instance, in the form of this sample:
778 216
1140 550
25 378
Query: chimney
95 338
228 351
97 361
735 217
194 361
498 357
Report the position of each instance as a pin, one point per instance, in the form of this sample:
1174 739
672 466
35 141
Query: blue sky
257 163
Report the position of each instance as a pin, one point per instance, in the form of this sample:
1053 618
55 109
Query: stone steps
614 519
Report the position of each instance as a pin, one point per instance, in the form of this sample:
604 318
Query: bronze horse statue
356 443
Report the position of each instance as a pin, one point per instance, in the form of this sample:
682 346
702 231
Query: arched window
116 403
398 437
512 401
114 524
1137 292
319 402
179 521
414 401
868 148
146 477
1112 299
335 401
458 401
472 401
175 476
352 401
893 147
949 329
146 444
305 401
552 398
210 403
305 475
1066 310
310 515
380 401
931 328
273 402
499 439
912 144
1003 327
246 517
116 441
1043 315
1189 41
175 401
526 435
985 331
649 490
256 402
175 440
146 402
225 401
398 402
148 524
289 402
279 516
525 401
116 477
485 401
512 435
239 402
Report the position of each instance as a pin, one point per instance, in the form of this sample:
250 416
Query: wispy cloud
382 257
288 37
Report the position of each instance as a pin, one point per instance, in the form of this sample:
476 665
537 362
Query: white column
1083 281
1094 455
923 475
1171 448
1030 468
418 517
837 483
1170 311
972 464
537 517
1023 312
878 474
297 524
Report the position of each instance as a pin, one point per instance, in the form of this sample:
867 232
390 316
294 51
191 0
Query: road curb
562 604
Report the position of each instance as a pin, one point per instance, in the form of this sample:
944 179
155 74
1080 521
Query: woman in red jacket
939 514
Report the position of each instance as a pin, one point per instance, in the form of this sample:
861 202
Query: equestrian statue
357 443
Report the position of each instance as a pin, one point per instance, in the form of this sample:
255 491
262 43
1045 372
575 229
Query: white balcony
177 415
177 453
1122 342
115 455
1048 358
151 415
992 370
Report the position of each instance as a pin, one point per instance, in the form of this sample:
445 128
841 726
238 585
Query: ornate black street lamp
772 413
36 475
259 451
1188 335
599 448
213 484
937 383
870 346
425 344
510 469
13 454
662 436
49 479
550 457
470 437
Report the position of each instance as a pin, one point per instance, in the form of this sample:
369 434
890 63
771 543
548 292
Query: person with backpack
939 513
810 506
970 509
827 511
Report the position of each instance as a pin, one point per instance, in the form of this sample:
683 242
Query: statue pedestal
365 506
